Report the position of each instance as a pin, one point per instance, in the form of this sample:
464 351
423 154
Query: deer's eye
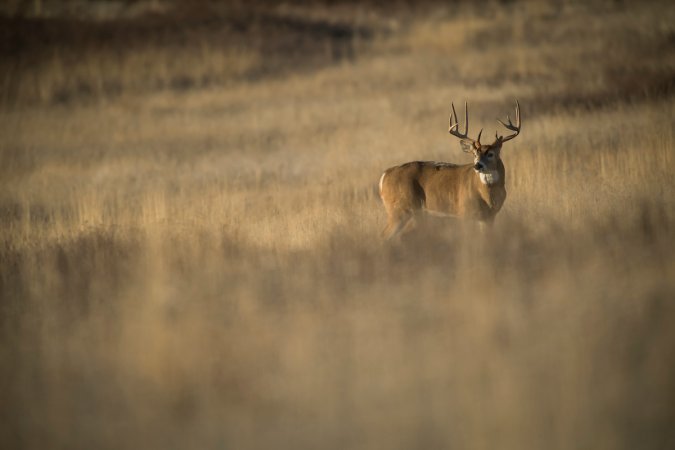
490 155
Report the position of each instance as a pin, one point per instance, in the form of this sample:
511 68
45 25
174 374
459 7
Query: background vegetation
190 251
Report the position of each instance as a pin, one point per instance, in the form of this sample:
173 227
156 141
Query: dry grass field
190 247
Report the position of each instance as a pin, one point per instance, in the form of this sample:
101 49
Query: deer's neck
490 184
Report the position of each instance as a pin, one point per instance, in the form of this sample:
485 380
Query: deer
472 191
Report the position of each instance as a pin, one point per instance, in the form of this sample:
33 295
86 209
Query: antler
454 127
511 126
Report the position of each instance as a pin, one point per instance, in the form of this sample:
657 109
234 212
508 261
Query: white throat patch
490 177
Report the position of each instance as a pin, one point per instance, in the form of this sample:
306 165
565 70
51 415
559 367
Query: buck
470 191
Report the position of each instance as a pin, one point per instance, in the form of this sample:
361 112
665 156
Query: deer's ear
467 145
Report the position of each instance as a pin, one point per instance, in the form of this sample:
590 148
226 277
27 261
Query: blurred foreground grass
200 265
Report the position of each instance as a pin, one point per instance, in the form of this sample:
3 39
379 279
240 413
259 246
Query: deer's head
486 157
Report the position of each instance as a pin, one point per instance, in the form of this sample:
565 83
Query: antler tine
466 118
453 113
518 114
454 125
510 125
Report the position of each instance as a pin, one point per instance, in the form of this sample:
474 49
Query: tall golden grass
203 268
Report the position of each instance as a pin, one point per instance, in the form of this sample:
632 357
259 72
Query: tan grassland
201 266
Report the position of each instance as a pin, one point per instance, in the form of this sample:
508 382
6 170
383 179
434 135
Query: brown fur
443 188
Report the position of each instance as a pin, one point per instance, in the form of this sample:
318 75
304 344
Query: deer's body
470 191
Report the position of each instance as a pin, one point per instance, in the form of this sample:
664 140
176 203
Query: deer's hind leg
401 222
402 211
397 224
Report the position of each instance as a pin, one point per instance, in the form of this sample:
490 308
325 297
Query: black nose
478 166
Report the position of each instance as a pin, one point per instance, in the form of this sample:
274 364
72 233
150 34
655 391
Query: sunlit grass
205 268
